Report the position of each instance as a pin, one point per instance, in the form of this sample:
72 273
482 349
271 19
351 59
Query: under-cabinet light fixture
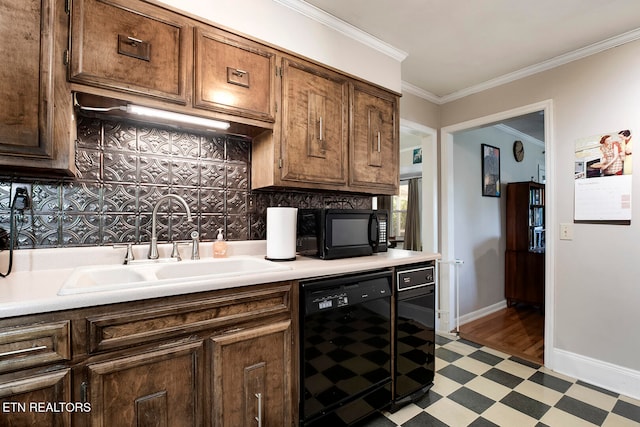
160 114
177 117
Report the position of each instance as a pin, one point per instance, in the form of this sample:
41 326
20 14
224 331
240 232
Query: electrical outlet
566 231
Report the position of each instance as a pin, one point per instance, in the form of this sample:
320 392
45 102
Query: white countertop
38 274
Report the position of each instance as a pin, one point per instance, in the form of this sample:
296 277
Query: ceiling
457 47
453 48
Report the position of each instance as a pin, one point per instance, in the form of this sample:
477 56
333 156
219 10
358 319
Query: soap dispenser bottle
220 246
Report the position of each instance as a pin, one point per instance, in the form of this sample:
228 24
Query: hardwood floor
517 330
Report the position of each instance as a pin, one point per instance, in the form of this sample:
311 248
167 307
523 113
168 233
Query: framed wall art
490 171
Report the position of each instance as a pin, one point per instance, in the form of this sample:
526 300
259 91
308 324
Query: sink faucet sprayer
153 247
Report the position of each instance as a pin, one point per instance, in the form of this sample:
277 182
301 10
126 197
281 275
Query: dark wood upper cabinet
233 74
131 47
314 125
374 148
36 122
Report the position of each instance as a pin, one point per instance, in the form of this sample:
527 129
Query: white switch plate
566 231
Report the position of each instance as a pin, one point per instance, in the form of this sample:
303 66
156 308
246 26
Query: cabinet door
314 120
24 401
35 103
233 75
252 377
158 388
374 153
130 46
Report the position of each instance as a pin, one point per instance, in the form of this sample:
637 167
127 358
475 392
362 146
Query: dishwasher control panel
338 292
415 276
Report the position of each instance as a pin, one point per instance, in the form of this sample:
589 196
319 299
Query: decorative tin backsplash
124 168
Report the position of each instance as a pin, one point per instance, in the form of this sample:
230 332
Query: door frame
429 211
447 315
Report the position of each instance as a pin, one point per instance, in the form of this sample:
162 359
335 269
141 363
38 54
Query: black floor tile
627 410
469 343
456 374
442 340
447 355
550 381
525 404
502 377
525 362
482 422
424 420
582 410
428 399
485 357
471 400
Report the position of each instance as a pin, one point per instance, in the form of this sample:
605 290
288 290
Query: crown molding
343 27
584 52
424 94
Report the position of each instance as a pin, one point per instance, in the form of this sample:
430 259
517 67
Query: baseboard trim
485 311
602 374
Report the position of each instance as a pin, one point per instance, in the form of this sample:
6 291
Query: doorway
416 138
488 252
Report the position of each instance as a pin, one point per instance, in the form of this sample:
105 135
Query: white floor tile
592 397
538 392
503 415
451 413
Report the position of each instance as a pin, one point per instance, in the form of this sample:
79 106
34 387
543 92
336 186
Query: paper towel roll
281 233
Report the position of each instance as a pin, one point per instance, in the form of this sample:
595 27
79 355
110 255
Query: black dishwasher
414 349
345 348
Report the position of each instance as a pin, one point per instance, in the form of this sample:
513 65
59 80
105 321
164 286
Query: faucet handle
129 255
175 253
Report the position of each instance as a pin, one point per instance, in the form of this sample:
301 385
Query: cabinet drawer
32 345
134 327
233 75
141 50
17 395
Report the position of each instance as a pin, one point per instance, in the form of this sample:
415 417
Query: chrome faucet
153 247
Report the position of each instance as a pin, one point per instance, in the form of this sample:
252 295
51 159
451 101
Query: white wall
596 274
278 25
480 222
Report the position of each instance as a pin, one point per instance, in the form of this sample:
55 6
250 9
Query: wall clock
518 151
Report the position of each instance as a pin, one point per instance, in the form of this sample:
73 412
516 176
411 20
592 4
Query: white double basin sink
113 277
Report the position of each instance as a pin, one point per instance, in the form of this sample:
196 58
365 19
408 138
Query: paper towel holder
281 233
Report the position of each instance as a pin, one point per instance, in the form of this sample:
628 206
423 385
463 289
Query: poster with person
603 170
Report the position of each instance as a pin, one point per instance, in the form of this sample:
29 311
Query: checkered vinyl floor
477 386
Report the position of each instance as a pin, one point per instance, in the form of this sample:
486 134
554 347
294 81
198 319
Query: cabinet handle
133 47
321 128
22 351
378 141
134 41
238 72
83 392
259 417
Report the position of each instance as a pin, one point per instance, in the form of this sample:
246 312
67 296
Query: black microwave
341 233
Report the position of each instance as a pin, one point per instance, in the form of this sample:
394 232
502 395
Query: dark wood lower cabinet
219 358
251 377
524 278
154 389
